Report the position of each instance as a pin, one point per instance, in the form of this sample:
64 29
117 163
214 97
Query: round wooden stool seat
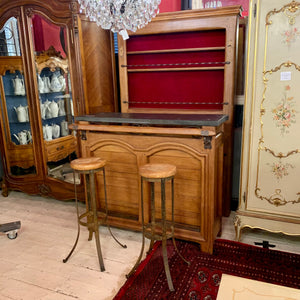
88 163
157 170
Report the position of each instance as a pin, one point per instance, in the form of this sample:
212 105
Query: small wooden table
193 143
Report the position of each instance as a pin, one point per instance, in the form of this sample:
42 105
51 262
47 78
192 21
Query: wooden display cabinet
184 62
269 193
45 62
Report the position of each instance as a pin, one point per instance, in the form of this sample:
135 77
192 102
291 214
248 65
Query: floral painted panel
277 184
283 33
280 169
276 132
290 36
280 109
284 114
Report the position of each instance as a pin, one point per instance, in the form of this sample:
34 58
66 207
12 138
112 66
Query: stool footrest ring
156 233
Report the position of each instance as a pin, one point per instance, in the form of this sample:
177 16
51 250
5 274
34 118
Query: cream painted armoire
270 172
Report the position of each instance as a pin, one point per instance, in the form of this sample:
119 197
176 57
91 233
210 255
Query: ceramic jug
46 81
22 113
18 84
48 114
55 84
61 107
43 110
41 84
47 132
55 131
27 113
62 82
53 106
29 137
22 137
44 132
64 131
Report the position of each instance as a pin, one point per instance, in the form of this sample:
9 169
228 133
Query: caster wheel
12 235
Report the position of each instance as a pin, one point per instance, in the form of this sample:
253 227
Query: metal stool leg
78 225
164 236
166 264
143 238
100 258
175 246
152 199
95 219
88 193
74 246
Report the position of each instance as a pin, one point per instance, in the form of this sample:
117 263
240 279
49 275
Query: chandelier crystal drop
120 15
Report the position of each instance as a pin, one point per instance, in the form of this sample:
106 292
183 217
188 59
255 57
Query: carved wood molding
51 59
44 189
29 12
11 64
289 10
277 199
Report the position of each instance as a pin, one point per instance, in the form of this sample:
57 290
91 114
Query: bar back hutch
184 62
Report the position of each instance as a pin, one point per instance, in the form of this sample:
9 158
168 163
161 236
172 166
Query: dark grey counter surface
155 119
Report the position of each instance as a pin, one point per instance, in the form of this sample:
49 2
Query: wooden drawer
21 156
60 148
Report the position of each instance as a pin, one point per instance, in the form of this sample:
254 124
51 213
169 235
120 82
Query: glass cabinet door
55 95
14 103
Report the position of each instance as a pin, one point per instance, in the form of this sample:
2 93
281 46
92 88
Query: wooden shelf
178 103
175 69
176 50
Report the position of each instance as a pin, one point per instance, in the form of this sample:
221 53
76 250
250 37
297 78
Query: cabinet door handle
60 148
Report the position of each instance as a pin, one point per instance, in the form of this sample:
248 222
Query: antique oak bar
194 143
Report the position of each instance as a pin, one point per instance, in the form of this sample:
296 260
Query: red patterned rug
201 279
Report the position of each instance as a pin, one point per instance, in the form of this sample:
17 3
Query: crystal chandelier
120 15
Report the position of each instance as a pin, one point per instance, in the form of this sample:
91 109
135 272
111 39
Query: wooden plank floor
31 265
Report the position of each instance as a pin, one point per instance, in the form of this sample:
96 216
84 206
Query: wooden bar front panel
198 184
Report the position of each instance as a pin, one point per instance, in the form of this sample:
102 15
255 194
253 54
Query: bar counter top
150 119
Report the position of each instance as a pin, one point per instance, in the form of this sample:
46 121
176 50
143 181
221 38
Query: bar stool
89 166
158 230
